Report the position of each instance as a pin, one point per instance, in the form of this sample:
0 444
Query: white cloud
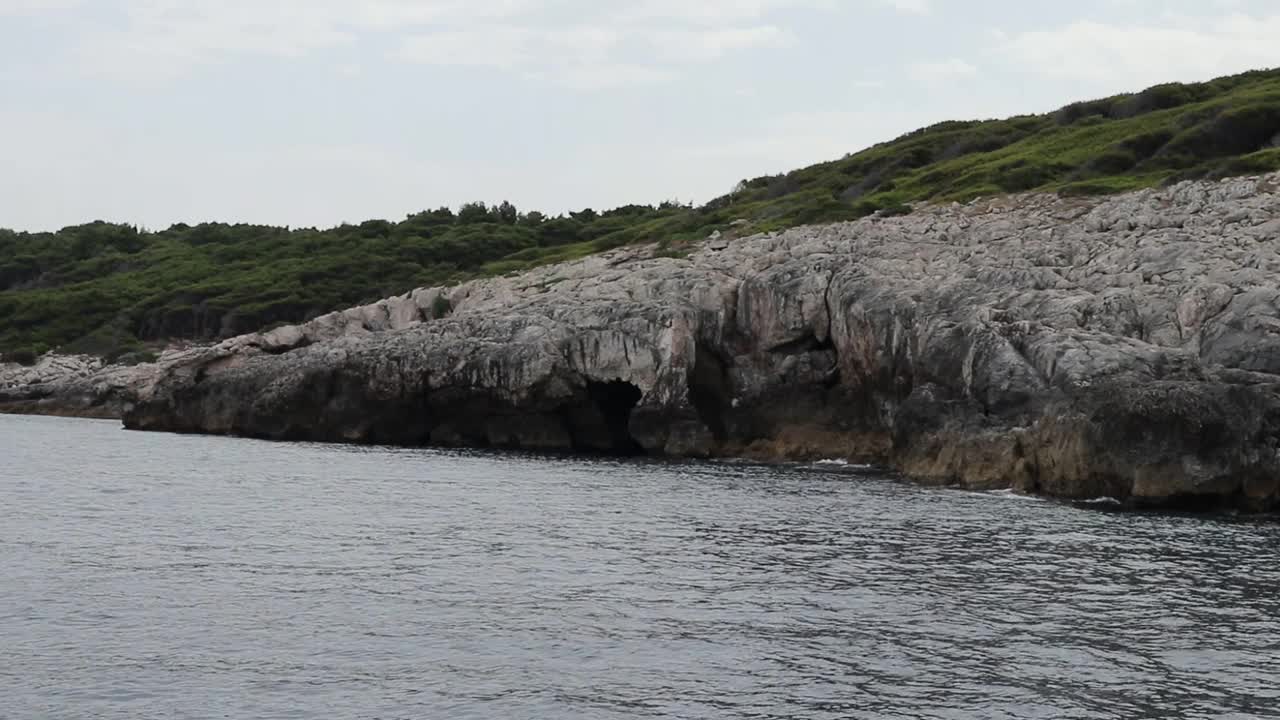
124 177
719 12
165 38
602 76
588 57
503 48
1122 57
393 14
510 47
796 138
940 70
708 12
709 44
30 7
918 7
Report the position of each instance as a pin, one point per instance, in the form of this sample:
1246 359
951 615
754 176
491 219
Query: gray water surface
159 576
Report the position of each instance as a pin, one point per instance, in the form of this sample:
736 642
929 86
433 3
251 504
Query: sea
162 576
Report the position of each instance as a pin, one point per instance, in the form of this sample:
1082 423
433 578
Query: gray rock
73 385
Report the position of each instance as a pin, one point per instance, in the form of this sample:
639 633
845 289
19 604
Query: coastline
1063 347
73 413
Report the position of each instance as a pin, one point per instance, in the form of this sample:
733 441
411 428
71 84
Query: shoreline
817 462
1062 347
72 414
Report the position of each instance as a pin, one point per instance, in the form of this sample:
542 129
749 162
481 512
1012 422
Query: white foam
1102 501
838 463
1012 494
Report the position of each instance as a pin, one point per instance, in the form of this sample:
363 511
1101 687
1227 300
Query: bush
1113 161
1086 187
869 183
1253 164
25 357
609 242
1021 176
972 145
1161 97
1235 131
441 307
896 209
866 207
1144 145
137 357
1075 112
781 186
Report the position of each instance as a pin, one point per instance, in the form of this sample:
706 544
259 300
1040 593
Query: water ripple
151 576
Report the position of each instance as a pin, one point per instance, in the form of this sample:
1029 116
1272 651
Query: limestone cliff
1125 347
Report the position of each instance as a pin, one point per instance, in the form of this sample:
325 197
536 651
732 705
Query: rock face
72 385
1125 347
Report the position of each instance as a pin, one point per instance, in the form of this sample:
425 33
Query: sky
310 113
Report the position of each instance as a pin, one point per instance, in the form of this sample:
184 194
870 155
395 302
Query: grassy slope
104 288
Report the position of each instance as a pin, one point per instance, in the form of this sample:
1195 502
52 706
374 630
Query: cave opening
710 392
806 343
614 401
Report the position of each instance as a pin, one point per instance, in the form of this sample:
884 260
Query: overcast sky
315 112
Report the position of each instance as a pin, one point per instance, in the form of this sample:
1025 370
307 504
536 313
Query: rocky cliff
1125 347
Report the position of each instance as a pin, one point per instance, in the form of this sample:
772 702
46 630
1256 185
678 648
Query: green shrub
1161 97
441 306
1021 175
135 357
896 209
1235 131
1144 145
1113 161
1076 112
23 356
1263 161
1086 187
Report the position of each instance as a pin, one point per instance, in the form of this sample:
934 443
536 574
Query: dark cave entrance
614 401
710 392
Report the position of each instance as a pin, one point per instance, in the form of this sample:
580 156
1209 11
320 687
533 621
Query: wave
1101 501
836 462
1012 494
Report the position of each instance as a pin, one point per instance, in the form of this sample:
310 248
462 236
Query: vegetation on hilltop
109 289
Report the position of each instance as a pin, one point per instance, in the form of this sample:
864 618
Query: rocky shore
1126 347
72 386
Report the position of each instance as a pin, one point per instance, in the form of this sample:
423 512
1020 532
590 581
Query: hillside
111 289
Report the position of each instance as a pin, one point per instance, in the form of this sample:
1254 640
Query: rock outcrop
73 386
1126 347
